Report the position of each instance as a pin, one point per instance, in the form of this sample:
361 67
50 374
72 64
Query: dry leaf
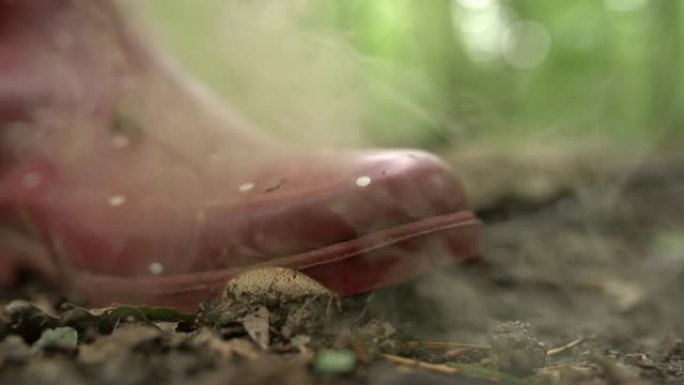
257 326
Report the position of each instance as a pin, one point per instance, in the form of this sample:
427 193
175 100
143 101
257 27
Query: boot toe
339 199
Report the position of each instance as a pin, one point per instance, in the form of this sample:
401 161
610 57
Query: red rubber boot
123 181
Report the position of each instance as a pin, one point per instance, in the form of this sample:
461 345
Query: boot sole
369 262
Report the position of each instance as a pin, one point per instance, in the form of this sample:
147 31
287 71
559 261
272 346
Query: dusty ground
581 282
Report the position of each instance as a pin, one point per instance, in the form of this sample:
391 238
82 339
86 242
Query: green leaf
334 362
63 337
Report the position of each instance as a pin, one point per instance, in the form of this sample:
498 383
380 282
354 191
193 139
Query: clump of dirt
274 306
514 350
273 286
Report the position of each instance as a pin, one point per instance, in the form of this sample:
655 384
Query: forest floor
580 282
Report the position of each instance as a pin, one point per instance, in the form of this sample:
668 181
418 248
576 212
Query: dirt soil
580 283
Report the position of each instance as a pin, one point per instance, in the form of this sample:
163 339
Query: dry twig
458 348
568 346
420 364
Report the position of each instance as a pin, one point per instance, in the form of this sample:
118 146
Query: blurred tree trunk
667 99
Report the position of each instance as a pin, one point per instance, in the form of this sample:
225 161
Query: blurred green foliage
454 69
